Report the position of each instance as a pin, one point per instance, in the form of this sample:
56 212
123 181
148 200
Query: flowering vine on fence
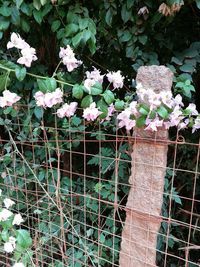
151 111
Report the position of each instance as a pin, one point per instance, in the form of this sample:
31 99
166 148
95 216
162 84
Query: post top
157 78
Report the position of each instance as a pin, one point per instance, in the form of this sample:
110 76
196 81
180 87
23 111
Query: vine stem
35 75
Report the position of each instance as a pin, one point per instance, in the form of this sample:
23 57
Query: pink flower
49 99
183 124
116 79
111 110
178 101
133 108
67 110
95 75
8 99
192 109
196 125
16 41
88 83
28 55
91 113
176 116
125 121
39 97
152 125
92 78
68 57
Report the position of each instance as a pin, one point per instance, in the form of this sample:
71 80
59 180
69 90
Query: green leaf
77 39
5 235
102 238
55 25
187 68
144 109
96 89
176 61
71 29
15 16
86 101
4 24
198 3
140 122
5 11
108 97
18 3
126 13
4 81
38 111
37 14
77 91
43 2
103 108
25 25
47 85
23 238
163 112
37 4
143 39
20 73
83 23
119 104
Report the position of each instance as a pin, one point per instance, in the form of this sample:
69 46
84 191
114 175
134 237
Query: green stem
35 75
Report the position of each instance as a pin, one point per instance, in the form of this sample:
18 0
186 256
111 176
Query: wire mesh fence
70 181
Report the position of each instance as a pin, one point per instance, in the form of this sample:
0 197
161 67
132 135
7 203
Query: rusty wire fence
70 182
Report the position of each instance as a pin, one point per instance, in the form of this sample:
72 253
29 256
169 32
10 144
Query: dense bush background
108 35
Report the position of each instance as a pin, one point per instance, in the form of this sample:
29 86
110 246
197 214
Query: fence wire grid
70 182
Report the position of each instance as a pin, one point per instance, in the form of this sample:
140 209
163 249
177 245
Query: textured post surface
149 159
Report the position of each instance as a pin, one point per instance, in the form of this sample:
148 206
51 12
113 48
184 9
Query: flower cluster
8 99
67 110
92 78
49 99
91 113
68 57
28 54
116 79
159 110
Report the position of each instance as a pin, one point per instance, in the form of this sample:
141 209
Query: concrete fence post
149 161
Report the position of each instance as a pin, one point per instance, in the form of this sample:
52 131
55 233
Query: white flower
178 100
19 264
68 57
95 75
153 124
5 214
16 41
192 109
0 192
88 83
111 110
8 99
48 99
8 203
116 79
196 125
144 10
125 121
67 110
91 113
10 245
17 219
166 98
28 55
